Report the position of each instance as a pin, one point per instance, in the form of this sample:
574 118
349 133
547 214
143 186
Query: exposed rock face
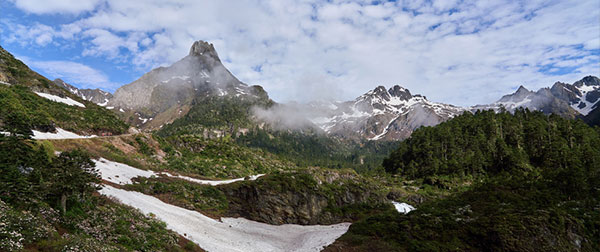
296 199
166 93
93 95
384 114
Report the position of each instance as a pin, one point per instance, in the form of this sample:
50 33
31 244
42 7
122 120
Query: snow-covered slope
122 174
228 234
65 100
383 114
231 234
583 95
60 134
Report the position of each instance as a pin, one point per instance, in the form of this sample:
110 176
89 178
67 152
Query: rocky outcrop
302 198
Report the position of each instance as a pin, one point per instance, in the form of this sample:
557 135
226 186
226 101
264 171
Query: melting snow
119 173
212 182
103 103
60 134
403 207
231 234
5 83
66 100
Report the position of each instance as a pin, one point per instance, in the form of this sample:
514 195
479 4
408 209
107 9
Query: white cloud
452 51
74 73
55 6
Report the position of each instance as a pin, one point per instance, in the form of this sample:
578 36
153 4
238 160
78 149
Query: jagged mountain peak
384 114
203 48
587 81
388 94
167 93
398 91
522 89
521 94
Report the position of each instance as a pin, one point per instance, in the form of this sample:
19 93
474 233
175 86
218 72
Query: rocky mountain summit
167 93
97 96
566 100
384 114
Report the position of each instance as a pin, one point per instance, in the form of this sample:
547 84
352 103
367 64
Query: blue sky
460 52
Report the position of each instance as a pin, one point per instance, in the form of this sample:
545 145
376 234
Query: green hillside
534 186
21 108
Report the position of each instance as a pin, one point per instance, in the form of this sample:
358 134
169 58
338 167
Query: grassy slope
18 103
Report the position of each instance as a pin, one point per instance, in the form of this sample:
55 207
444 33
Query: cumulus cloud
55 6
73 73
459 52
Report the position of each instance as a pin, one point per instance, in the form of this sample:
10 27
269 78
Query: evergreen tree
73 174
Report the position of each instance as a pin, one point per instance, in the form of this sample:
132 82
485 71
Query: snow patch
60 134
122 174
66 100
212 182
5 83
385 130
231 234
403 207
103 103
119 173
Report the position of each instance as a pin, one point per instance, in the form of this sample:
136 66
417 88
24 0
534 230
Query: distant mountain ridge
567 100
394 113
93 95
165 94
384 114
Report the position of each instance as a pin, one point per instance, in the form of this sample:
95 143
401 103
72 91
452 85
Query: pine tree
73 174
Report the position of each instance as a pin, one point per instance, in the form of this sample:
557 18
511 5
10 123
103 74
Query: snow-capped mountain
383 114
93 95
166 93
567 100
582 95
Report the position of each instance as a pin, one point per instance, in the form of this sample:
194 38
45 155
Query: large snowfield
229 234
56 98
